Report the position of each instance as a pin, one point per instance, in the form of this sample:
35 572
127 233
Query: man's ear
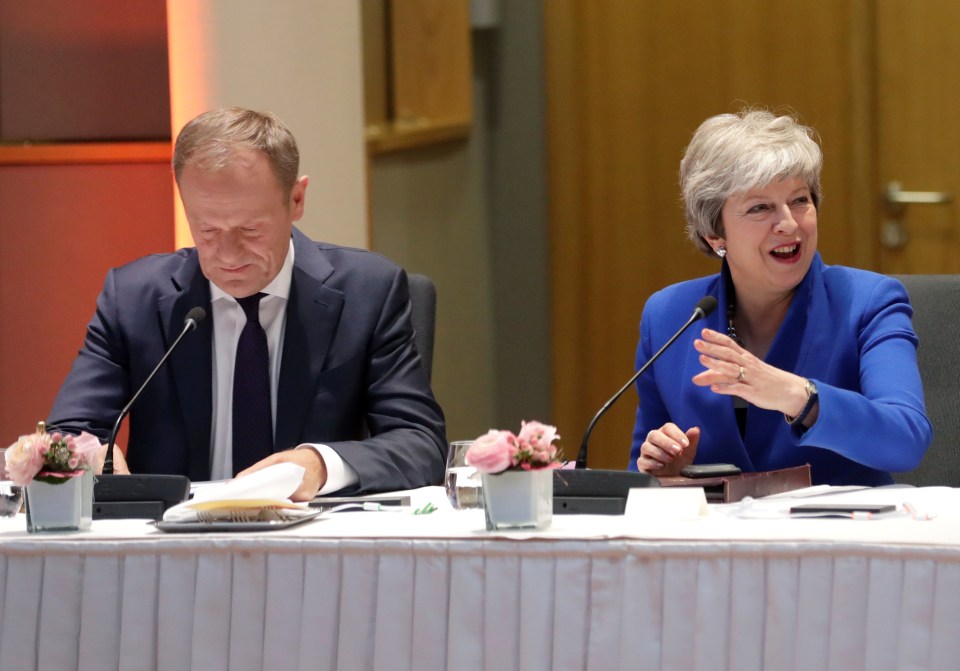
298 197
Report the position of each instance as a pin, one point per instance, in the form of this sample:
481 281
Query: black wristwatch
807 407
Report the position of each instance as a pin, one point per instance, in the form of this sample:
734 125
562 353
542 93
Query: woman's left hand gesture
733 371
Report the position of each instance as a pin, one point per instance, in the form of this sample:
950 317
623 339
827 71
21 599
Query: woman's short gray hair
731 153
210 140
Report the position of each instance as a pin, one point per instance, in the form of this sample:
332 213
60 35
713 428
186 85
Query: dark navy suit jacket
350 374
848 330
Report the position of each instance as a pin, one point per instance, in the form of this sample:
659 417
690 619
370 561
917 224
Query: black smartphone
709 470
841 509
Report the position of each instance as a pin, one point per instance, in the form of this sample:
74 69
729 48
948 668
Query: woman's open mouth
786 252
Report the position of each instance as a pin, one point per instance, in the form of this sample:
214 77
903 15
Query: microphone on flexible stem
603 491
194 317
122 496
705 306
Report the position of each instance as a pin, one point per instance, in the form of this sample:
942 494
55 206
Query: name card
671 503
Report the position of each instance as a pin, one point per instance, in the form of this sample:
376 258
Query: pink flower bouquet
531 449
51 457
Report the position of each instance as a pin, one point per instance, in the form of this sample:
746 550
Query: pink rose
24 458
538 436
492 452
86 447
544 455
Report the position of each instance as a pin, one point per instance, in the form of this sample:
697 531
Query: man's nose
229 244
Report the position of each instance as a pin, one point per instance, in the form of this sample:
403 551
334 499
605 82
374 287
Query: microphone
194 317
705 306
605 492
124 496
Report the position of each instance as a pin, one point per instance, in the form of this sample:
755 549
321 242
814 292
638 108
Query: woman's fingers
661 447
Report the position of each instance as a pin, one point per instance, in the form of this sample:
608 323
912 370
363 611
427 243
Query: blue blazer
349 369
848 330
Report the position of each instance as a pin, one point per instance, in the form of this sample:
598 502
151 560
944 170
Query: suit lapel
192 364
313 313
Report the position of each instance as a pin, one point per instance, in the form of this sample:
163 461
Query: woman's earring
721 251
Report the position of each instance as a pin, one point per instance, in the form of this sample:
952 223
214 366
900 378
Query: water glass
11 496
462 482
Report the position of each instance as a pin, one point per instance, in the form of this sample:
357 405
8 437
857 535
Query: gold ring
740 376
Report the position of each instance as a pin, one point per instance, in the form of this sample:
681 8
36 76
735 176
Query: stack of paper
262 495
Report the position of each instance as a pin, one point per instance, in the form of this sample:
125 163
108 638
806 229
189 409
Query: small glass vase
57 507
518 499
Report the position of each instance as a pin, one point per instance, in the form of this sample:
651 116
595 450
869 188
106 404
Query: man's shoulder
339 256
160 264
338 265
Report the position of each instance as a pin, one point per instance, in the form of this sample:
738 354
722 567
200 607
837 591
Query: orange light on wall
191 57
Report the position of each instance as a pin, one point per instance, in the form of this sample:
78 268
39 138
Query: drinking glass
11 496
462 482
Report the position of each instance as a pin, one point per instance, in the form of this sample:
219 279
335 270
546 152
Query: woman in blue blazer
802 362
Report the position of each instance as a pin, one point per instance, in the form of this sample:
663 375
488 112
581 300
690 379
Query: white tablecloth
397 591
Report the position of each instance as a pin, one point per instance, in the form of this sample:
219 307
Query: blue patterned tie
252 423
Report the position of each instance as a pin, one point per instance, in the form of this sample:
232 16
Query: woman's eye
758 209
802 200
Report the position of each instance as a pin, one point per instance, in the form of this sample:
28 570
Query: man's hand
314 478
119 461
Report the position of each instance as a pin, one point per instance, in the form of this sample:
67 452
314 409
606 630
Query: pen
331 502
370 506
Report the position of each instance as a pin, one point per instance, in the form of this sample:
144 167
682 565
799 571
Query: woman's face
770 235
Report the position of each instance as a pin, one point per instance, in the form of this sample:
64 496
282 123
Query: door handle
896 196
893 234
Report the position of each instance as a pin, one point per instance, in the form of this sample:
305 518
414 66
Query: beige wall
299 59
472 215
430 215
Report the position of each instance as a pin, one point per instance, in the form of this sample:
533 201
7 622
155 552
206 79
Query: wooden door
918 134
628 81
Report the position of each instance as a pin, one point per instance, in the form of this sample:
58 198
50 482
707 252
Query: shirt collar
279 285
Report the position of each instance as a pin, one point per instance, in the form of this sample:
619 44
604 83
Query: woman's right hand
668 449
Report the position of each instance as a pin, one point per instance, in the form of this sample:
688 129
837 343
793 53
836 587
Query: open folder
264 492
732 488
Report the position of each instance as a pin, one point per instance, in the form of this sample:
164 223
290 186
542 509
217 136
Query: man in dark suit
344 393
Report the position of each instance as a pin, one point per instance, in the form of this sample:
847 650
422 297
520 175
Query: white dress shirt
228 322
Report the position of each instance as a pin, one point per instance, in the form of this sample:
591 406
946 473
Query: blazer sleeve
97 386
406 447
884 424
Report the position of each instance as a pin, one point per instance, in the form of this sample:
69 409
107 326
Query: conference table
738 586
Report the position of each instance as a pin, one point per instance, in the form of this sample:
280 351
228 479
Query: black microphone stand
604 492
189 325
698 313
141 495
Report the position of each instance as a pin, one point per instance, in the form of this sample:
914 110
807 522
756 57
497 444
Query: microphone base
137 496
595 492
124 510
589 505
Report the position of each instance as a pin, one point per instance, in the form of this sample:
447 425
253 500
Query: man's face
240 221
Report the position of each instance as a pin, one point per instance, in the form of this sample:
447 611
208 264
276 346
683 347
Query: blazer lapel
313 313
192 364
